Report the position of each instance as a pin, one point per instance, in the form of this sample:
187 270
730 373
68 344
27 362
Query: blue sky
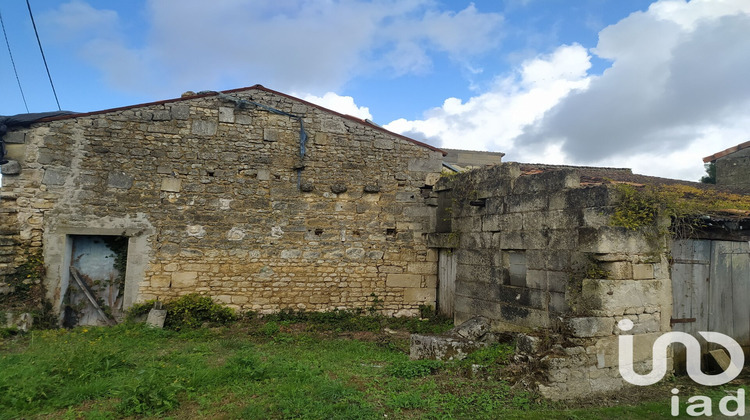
650 85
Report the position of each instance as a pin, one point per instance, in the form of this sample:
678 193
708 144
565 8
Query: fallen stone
473 329
156 318
441 347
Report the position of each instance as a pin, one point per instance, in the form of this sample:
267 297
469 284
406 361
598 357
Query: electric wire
2 23
43 57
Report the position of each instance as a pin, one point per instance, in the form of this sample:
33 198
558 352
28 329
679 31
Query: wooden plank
720 299
701 275
90 295
722 358
447 263
741 293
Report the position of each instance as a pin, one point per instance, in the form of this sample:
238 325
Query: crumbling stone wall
536 254
217 199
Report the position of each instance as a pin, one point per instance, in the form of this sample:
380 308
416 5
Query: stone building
266 202
258 199
732 166
533 248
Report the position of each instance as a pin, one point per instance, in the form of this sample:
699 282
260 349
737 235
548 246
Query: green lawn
257 369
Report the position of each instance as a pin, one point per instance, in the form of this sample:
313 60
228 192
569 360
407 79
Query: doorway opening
96 289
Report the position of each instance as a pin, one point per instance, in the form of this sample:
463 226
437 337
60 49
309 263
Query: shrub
194 310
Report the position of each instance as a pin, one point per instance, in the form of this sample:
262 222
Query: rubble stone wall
216 199
536 254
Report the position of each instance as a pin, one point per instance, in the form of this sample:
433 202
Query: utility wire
2 23
43 58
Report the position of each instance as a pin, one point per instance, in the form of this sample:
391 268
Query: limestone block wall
734 169
216 198
536 254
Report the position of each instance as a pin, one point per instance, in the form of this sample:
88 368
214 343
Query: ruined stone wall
217 200
536 254
734 169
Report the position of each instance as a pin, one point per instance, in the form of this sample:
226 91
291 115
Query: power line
13 63
43 58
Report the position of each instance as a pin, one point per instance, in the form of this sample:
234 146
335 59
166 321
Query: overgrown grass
273 368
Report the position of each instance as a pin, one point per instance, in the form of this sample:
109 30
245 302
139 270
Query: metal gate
711 291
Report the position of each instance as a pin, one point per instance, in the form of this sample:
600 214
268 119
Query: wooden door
446 281
711 290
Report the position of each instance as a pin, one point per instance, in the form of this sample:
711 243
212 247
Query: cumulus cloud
677 90
340 104
492 120
303 45
674 71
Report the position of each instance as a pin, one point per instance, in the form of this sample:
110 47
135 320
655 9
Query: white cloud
677 90
340 104
493 119
303 45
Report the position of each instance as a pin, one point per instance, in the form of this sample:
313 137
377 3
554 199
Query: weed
152 394
409 369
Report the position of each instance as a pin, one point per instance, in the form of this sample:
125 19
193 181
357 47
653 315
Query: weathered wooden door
97 270
711 290
446 281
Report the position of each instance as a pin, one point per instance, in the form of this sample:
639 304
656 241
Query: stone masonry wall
216 199
734 169
536 254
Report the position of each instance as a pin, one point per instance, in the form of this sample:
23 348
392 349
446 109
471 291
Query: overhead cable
31 15
2 23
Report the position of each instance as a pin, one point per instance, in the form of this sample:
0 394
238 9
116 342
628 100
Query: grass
277 369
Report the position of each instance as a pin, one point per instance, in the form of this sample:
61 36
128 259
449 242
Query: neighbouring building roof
726 152
245 89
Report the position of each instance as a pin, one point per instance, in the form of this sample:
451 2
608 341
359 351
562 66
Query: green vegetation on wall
640 207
